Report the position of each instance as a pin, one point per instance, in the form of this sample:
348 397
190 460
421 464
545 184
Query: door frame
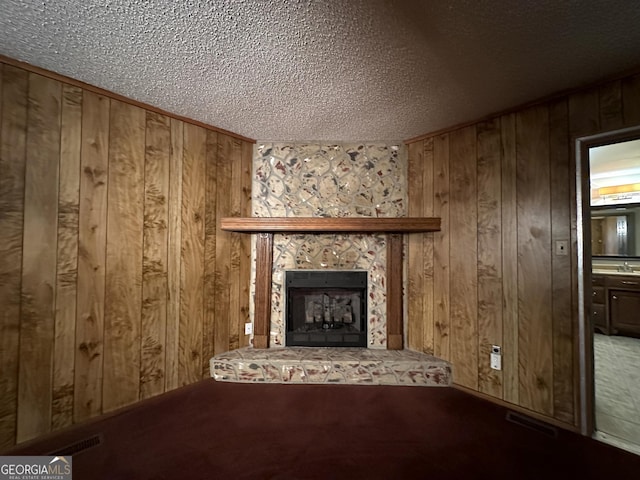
583 249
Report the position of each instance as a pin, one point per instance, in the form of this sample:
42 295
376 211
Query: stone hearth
359 366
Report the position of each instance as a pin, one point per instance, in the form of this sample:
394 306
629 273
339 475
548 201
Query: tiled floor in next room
617 385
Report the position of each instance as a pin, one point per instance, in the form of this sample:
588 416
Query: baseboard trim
525 411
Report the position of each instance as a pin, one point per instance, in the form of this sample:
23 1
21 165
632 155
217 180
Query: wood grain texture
610 106
224 245
262 308
489 253
584 115
210 239
92 244
563 317
123 283
192 268
415 250
427 245
39 258
111 95
534 261
334 224
441 249
13 129
245 243
235 266
67 257
464 251
539 312
395 333
154 260
510 321
74 201
174 256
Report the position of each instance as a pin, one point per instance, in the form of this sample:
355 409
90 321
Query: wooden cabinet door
624 307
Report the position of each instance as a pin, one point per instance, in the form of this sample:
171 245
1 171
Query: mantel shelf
330 224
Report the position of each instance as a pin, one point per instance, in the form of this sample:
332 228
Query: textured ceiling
351 70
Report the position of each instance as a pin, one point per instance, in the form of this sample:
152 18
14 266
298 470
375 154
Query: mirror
615 199
614 232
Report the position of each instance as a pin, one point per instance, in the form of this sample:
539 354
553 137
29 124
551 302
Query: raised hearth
346 365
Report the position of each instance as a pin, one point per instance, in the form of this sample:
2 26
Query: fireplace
326 308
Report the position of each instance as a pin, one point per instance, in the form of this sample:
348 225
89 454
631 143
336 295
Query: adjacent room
337 239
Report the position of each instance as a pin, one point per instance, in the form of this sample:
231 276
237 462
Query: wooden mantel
265 227
331 224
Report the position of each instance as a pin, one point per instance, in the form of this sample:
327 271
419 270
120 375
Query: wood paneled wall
116 283
505 190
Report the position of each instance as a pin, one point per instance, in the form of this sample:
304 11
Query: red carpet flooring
213 430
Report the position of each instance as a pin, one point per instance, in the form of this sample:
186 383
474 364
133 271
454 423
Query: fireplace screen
326 308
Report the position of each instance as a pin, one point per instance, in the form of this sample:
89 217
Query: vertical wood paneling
13 128
245 243
611 106
224 246
211 199
233 282
534 261
563 360
441 249
39 257
584 115
534 187
489 254
67 257
154 262
415 276
123 287
174 256
92 251
510 328
193 264
464 251
427 242
92 244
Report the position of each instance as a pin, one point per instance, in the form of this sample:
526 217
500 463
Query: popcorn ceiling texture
316 180
351 70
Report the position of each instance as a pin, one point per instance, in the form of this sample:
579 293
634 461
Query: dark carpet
213 430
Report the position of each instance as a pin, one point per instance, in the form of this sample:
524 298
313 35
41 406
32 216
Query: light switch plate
496 361
562 247
248 328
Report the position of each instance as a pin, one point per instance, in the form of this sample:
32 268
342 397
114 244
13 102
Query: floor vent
533 424
79 446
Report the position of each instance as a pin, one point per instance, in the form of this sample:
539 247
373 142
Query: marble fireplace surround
265 228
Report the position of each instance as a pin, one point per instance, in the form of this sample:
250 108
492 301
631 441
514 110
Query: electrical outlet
248 328
496 357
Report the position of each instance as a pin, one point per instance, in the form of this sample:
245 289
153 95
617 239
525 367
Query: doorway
609 279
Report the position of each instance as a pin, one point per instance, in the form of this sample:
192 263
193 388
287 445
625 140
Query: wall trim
101 91
517 408
548 98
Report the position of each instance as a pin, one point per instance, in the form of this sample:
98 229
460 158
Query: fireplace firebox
326 308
